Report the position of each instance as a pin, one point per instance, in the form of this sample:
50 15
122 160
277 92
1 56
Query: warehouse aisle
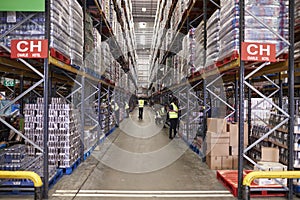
109 174
186 173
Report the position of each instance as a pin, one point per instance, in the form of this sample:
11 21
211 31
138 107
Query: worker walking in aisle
116 109
173 117
141 108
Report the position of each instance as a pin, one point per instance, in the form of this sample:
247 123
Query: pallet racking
234 73
83 88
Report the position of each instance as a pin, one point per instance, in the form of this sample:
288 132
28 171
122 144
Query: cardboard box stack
270 162
222 144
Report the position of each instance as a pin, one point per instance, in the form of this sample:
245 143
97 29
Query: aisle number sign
258 52
29 48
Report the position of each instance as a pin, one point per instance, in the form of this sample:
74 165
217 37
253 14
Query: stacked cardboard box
222 144
270 162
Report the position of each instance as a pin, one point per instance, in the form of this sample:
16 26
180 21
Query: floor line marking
145 192
151 192
146 195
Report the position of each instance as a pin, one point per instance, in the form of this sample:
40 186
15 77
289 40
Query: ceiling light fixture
142 24
144 9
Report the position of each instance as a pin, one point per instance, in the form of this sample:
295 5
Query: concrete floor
130 167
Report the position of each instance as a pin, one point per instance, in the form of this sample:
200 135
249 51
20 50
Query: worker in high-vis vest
116 110
173 117
141 108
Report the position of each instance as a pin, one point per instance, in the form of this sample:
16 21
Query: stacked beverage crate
60 26
76 33
30 29
213 43
15 158
64 137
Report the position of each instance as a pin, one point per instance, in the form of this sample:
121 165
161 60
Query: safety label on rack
258 52
29 48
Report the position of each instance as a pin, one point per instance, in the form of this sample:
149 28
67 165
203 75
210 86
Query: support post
99 113
46 105
21 91
280 91
82 108
249 111
291 94
236 98
241 104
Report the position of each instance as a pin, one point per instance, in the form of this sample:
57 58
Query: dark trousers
117 115
127 113
173 126
141 113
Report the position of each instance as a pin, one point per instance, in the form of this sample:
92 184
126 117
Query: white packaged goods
270 166
76 33
272 13
213 44
89 37
196 50
60 26
64 135
31 29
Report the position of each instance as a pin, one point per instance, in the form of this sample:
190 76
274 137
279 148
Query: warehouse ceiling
143 12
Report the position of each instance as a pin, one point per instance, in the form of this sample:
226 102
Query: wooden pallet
4 54
60 56
229 178
210 68
227 59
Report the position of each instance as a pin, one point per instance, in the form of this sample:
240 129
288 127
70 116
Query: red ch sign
29 48
258 52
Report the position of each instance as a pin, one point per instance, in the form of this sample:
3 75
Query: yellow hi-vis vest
115 106
173 114
126 106
141 103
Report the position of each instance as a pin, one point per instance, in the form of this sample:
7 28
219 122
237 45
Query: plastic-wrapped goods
268 11
30 29
64 136
297 20
196 50
297 50
213 44
76 33
229 28
60 27
89 37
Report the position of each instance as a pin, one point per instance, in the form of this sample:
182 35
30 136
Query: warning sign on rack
29 48
258 52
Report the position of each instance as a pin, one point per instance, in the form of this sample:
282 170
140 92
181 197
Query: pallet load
76 33
196 50
29 29
266 11
297 30
222 144
60 29
213 43
270 162
64 136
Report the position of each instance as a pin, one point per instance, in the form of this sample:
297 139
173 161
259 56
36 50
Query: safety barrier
35 178
265 174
